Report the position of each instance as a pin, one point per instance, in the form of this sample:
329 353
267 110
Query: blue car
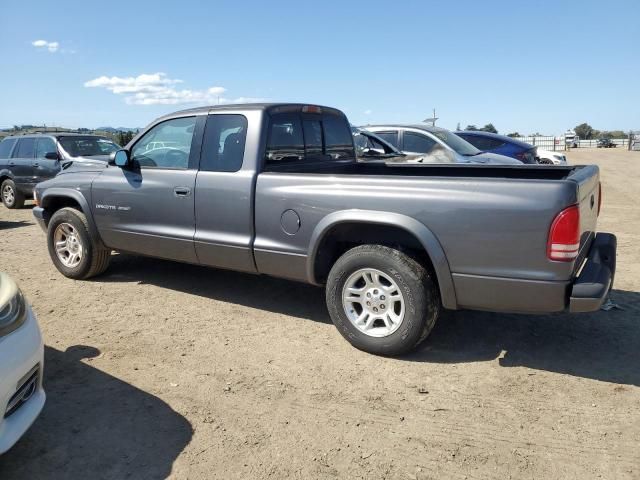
501 144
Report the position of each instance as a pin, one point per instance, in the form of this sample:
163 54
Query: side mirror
52 156
122 158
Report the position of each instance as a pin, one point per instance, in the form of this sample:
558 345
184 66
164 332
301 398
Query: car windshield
87 146
460 145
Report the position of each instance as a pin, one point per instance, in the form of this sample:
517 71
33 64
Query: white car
548 157
21 362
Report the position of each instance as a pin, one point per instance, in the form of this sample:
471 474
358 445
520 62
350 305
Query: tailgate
587 179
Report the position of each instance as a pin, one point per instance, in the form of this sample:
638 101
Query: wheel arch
53 199
406 231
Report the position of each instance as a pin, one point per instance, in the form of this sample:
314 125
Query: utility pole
431 120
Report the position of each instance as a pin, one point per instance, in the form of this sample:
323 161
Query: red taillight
564 235
599 197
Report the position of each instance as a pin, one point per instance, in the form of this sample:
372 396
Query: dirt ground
158 369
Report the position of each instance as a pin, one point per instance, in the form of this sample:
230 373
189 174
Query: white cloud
158 89
42 44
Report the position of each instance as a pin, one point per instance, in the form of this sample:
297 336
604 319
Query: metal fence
558 143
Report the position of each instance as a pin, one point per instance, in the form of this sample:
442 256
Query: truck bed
533 172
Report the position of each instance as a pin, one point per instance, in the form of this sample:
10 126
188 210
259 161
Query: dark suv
26 160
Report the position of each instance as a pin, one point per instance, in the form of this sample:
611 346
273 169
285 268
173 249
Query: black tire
18 196
416 283
95 259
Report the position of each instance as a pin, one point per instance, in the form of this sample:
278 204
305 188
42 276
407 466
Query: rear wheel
382 300
72 248
11 196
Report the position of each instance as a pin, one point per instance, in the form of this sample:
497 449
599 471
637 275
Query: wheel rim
68 246
8 195
373 302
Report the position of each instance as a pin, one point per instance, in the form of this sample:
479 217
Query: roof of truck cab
244 106
55 134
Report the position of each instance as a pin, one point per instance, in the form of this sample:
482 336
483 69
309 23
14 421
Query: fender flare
425 236
6 173
52 193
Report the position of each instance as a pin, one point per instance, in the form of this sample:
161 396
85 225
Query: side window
286 141
25 148
45 145
167 145
337 136
391 137
5 147
223 146
482 143
415 142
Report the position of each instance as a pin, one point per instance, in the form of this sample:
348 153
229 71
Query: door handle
182 191
11 164
36 164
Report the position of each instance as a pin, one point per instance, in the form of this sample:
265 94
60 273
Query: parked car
605 143
422 139
21 362
547 157
372 148
26 160
284 195
500 144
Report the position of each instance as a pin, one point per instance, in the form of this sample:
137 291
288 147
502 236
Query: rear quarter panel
493 227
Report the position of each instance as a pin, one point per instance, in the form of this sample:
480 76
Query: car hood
84 164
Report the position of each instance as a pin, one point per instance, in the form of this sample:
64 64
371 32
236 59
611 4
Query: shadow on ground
7 225
95 426
255 291
600 345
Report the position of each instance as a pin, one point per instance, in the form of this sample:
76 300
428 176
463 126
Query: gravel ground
158 369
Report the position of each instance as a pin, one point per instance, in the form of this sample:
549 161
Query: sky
524 66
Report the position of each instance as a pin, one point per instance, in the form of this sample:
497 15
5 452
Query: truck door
224 194
148 207
43 167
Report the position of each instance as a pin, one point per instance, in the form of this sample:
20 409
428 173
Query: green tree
489 128
472 128
584 130
514 134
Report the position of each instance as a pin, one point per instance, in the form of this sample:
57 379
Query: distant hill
118 129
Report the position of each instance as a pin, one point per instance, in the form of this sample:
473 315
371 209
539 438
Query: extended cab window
25 148
6 146
308 137
224 140
483 143
286 141
167 145
338 137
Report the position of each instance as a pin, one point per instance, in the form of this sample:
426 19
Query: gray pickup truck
276 189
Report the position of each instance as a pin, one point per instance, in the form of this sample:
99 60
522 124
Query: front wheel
72 248
382 300
11 196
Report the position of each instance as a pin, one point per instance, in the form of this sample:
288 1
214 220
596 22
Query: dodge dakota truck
276 189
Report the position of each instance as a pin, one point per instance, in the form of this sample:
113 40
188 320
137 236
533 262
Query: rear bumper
591 287
585 293
39 214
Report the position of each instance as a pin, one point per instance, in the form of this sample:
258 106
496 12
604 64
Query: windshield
460 145
87 146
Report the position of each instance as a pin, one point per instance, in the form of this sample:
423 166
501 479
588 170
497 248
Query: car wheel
72 248
382 300
11 196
